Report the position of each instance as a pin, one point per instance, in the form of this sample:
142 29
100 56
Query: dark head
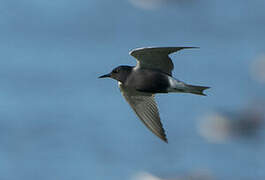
120 73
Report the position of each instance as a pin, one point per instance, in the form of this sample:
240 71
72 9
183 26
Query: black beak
105 76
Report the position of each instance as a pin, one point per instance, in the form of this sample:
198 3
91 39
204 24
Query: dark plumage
151 75
148 80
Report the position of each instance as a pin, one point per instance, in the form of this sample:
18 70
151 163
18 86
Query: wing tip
163 136
165 139
191 47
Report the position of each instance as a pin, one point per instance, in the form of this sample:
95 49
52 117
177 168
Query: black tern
150 76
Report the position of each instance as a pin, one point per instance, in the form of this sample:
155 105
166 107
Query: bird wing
145 107
156 57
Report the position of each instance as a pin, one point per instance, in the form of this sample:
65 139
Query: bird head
119 73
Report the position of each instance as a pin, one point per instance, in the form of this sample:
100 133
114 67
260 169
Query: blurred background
58 121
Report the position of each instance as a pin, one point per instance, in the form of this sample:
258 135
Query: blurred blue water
58 121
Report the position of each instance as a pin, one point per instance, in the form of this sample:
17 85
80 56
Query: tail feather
196 89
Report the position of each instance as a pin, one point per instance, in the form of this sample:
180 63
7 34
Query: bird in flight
151 75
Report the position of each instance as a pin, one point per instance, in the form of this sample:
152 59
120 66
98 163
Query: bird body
150 76
147 80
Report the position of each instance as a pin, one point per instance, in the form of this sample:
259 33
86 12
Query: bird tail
195 89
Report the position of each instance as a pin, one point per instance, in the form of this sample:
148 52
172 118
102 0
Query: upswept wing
156 57
145 107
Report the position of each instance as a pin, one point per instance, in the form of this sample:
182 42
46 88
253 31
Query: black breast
146 80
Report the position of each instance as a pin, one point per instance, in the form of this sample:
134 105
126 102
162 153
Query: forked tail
196 89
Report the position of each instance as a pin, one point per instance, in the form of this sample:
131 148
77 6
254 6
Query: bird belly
149 81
